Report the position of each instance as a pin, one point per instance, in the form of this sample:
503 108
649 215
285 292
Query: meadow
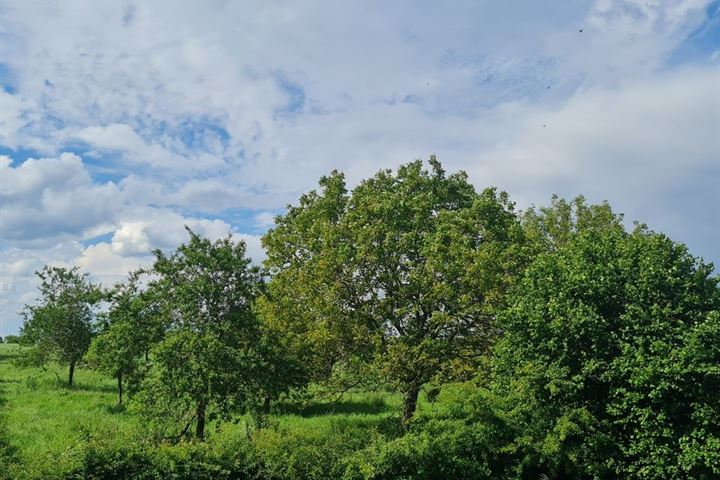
46 424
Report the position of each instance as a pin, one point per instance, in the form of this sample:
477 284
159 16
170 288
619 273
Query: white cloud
264 220
13 113
116 136
130 239
254 249
48 199
106 265
122 138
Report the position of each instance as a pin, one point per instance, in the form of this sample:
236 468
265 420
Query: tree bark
71 374
410 404
200 416
266 405
120 388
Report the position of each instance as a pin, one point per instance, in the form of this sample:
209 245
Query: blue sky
122 121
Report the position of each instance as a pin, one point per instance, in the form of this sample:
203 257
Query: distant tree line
587 350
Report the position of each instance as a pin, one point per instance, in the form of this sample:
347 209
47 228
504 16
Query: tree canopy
132 325
207 361
61 325
406 270
610 356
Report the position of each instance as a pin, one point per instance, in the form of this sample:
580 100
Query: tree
610 356
406 271
62 324
207 362
131 328
551 227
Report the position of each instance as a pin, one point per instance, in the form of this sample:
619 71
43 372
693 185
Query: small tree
207 363
62 324
127 334
406 272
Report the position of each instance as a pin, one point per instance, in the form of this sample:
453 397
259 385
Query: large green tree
208 361
62 324
610 358
405 272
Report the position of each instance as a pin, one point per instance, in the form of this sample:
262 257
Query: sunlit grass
44 419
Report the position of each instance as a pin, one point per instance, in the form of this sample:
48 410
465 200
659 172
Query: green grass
44 419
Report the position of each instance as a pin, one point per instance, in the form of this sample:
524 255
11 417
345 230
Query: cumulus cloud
48 199
116 136
264 220
106 265
647 146
130 239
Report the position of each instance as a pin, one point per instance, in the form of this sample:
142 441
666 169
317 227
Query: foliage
406 271
207 362
611 355
62 324
553 226
100 459
132 326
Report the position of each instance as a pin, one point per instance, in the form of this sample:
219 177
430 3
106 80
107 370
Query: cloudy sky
122 121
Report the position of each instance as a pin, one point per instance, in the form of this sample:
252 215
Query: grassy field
44 420
43 417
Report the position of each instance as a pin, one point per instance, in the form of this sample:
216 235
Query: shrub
100 460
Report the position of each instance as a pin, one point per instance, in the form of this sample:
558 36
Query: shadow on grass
9 356
369 407
8 453
44 382
115 409
81 387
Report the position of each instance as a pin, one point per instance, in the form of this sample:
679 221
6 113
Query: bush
308 453
610 361
102 460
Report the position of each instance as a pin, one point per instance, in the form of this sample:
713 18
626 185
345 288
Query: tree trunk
266 404
71 374
410 403
200 416
120 388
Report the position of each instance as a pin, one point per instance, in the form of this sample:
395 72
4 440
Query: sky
121 121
